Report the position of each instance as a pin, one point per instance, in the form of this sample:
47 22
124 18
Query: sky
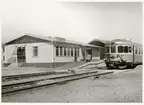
78 21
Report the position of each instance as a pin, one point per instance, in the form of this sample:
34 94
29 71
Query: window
113 49
68 51
61 51
125 49
130 49
135 50
107 49
71 51
35 51
57 51
120 49
64 51
139 50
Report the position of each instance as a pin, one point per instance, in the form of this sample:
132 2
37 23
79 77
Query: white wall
45 52
9 54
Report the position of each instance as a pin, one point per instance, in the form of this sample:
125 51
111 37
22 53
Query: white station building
32 50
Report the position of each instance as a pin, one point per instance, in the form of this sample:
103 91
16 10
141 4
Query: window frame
113 49
107 49
72 52
35 48
122 49
125 49
65 52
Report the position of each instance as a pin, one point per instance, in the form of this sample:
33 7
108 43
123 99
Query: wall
45 52
9 57
96 53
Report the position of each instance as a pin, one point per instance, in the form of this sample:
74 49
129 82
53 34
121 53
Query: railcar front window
120 49
107 49
125 49
113 49
130 49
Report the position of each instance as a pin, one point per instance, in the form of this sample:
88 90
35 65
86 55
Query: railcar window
107 49
135 50
120 49
125 49
130 49
139 51
113 49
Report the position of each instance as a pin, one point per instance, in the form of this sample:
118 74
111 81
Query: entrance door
21 54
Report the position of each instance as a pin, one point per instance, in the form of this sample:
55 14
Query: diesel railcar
123 54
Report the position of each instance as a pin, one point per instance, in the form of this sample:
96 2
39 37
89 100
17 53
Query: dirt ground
118 87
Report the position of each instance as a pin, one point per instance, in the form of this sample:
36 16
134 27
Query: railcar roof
122 42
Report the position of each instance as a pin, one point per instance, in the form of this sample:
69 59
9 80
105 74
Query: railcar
123 54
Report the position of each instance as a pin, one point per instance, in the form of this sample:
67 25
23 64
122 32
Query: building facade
31 50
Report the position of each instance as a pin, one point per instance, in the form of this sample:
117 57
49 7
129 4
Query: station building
33 50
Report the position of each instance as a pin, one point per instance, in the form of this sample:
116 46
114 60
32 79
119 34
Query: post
53 53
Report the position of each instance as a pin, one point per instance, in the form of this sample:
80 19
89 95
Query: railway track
23 84
33 75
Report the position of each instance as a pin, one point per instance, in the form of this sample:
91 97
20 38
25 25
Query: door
21 54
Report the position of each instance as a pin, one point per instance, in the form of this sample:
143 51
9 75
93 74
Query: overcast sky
81 21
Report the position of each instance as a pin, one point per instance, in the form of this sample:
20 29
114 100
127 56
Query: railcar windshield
120 49
113 49
130 49
107 49
125 49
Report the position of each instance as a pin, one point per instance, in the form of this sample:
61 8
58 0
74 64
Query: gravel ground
118 87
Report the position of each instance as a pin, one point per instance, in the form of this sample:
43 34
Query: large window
107 49
68 51
35 51
57 51
64 51
113 49
71 51
125 49
120 49
61 51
